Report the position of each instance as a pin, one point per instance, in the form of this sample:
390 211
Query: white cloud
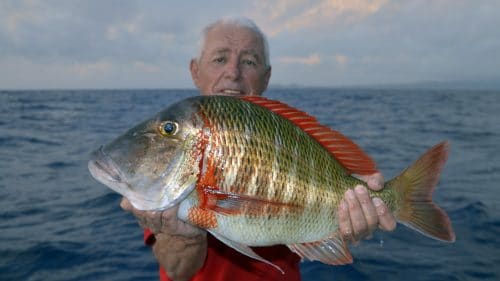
341 59
86 70
312 59
147 67
284 16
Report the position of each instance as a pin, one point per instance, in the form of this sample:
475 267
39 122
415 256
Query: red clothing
224 263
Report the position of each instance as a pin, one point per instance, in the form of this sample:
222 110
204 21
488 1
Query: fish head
155 164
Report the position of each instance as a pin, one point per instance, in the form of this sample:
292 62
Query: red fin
202 218
349 154
330 251
236 204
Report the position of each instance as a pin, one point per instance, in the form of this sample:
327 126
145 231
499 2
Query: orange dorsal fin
349 154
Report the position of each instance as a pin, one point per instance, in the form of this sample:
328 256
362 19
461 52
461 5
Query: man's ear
267 77
193 68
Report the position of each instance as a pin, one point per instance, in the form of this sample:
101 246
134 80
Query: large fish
256 172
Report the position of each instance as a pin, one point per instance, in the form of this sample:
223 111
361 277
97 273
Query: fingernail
350 194
360 189
343 205
377 202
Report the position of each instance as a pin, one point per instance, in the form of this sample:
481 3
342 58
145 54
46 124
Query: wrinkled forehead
227 38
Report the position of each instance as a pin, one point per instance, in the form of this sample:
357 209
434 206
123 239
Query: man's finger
344 221
376 181
358 222
368 208
125 205
386 220
373 181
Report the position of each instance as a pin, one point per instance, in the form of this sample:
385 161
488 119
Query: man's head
233 59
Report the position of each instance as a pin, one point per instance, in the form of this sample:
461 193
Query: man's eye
220 60
249 62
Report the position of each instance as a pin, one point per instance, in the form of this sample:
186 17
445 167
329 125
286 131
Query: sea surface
58 223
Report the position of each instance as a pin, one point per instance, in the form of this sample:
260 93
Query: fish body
256 172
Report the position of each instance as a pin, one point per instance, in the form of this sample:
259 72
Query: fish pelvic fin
343 149
415 186
332 251
245 250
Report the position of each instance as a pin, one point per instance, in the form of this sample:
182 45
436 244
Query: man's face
231 63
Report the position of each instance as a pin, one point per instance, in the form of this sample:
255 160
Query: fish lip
104 169
102 166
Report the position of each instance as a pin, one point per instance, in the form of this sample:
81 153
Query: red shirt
224 263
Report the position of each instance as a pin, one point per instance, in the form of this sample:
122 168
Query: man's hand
359 215
180 248
165 222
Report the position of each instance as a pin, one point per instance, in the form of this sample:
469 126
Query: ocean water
58 223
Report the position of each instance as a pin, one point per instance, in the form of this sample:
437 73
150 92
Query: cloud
132 43
147 67
312 59
292 16
84 70
341 59
89 31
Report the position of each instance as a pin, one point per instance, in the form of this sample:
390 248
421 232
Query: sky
69 44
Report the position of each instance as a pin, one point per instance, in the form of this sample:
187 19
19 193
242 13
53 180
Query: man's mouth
232 92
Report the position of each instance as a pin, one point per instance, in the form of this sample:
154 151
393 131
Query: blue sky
148 44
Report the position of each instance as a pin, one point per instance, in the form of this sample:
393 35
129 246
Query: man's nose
232 70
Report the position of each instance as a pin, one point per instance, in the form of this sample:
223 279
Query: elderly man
234 60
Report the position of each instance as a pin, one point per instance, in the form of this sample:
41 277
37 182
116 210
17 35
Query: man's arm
180 248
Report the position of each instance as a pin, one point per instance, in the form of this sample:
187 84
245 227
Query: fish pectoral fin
235 204
332 251
244 249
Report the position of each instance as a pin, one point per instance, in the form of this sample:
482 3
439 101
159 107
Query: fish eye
168 128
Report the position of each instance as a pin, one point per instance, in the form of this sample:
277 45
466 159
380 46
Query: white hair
240 22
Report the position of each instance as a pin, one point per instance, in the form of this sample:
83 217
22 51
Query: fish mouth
104 169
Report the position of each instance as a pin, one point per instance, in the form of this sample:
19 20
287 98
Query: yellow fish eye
168 128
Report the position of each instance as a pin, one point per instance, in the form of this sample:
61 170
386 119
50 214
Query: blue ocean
58 223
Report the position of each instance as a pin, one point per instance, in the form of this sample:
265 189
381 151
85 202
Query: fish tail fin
415 186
